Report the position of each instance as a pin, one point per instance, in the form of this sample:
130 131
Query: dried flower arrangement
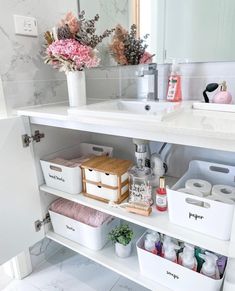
128 49
72 45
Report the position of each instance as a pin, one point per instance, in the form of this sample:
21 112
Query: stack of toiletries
194 258
202 188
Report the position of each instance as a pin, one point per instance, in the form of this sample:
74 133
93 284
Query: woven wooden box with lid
106 179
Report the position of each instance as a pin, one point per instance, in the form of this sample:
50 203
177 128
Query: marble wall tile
34 92
21 57
102 89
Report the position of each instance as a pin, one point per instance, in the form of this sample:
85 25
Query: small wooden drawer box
106 179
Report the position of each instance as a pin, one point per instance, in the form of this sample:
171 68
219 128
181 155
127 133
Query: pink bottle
174 92
223 96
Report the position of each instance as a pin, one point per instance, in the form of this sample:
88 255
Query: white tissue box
172 275
91 237
69 179
216 219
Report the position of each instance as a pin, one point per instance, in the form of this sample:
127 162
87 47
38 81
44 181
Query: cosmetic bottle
174 92
157 167
221 263
161 196
149 243
200 261
187 258
223 96
210 268
166 240
170 252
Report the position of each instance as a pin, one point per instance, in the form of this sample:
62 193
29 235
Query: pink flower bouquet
72 45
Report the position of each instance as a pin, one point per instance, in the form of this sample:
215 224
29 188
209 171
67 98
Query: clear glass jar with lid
140 184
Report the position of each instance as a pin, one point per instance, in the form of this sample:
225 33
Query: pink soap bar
222 97
79 212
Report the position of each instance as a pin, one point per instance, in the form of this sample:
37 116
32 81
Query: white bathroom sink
127 109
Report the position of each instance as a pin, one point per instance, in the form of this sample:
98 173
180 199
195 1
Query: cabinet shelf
128 267
156 221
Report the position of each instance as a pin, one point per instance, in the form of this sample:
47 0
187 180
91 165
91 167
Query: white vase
76 83
123 251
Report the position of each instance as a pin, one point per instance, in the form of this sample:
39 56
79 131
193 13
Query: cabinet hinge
27 139
39 223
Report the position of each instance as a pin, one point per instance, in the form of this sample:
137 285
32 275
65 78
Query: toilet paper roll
220 199
193 193
224 191
200 185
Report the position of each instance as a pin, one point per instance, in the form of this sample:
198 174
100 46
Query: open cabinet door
19 194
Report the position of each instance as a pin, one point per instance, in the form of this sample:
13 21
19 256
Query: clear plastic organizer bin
91 237
210 217
172 275
65 178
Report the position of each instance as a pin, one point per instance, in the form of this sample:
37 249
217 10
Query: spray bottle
187 258
210 268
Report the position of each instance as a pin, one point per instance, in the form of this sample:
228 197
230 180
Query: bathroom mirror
187 30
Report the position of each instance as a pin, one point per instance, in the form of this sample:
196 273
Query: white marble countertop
215 130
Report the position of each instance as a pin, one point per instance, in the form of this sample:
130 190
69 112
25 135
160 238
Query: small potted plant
122 236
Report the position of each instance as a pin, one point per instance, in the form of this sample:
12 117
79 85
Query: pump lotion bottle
174 92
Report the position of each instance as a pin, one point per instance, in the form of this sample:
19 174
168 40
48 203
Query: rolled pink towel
79 212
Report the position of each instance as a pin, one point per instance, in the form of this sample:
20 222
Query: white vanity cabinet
21 207
20 201
25 198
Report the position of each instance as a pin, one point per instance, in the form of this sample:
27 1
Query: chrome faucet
151 71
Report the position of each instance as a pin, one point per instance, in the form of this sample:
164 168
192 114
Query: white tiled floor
4 279
68 271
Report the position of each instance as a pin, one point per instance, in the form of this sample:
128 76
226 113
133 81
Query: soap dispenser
210 268
170 251
223 96
174 92
187 258
150 242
